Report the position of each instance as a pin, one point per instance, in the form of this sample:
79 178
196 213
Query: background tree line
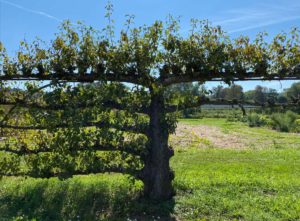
259 94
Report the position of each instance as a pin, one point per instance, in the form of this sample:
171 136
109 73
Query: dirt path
205 136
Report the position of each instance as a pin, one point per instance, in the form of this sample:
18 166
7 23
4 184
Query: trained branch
129 127
23 150
54 107
84 78
69 174
11 110
227 76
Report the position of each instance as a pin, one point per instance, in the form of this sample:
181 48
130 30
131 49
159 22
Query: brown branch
134 128
54 107
242 109
23 150
166 81
87 77
5 118
49 174
226 76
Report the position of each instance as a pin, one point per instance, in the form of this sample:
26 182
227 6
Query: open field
224 171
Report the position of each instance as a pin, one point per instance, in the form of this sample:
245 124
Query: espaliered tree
105 108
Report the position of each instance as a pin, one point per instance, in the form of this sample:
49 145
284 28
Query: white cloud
41 13
265 24
243 19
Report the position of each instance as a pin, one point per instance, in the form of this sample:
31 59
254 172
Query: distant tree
293 92
185 93
260 94
184 90
282 99
249 95
272 95
234 92
218 92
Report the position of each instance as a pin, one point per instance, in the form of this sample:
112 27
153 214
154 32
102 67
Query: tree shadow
144 209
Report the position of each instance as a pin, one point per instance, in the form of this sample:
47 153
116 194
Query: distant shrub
238 118
297 122
191 113
231 114
256 120
285 122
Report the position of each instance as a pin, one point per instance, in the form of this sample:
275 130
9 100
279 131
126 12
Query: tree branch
105 104
64 175
87 77
227 76
134 128
5 118
23 150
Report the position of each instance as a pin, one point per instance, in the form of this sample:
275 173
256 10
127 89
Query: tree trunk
157 175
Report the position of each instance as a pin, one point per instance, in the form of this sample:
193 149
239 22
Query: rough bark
157 174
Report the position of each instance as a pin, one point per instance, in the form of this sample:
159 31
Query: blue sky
21 19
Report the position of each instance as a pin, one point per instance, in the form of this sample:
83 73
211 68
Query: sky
27 19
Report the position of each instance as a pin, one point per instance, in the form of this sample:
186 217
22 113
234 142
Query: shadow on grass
97 197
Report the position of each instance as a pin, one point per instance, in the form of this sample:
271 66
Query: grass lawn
260 181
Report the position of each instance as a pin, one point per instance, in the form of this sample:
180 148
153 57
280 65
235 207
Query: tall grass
256 120
285 122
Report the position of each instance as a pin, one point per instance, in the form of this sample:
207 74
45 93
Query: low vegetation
249 181
284 122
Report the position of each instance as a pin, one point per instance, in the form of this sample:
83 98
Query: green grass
79 198
229 184
211 184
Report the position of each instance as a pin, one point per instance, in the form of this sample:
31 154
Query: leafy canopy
154 55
